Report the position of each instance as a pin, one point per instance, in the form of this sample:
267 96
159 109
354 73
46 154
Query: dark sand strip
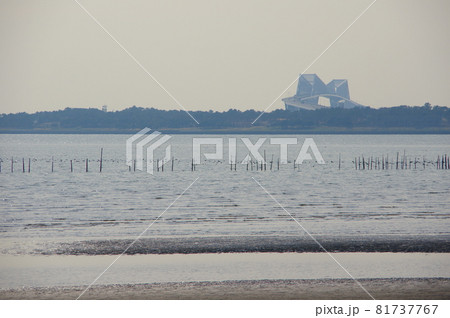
251 244
425 288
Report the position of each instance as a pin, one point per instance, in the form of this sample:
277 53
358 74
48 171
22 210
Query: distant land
425 119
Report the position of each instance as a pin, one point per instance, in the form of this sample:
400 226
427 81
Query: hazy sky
219 54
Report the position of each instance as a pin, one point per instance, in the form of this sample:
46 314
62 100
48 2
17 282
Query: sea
55 215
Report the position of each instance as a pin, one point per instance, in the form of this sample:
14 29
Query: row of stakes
53 164
360 163
401 162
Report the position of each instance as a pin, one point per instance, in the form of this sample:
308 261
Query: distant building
105 108
313 94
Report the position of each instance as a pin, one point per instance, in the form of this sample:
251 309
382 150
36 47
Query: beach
426 288
227 276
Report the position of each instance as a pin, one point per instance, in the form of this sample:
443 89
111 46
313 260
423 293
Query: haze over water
120 204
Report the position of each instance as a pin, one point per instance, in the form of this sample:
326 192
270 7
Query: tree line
412 117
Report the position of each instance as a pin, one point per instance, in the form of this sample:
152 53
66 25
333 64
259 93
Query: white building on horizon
312 93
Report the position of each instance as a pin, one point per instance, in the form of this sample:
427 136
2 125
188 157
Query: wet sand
425 288
253 244
18 271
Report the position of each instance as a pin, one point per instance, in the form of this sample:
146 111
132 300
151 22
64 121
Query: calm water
42 271
65 206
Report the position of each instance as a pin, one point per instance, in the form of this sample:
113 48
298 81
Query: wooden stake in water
71 166
339 161
404 160
29 165
172 162
87 165
52 164
12 164
23 165
265 162
101 159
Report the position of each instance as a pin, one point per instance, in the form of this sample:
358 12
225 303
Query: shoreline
60 271
237 131
394 288
251 244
